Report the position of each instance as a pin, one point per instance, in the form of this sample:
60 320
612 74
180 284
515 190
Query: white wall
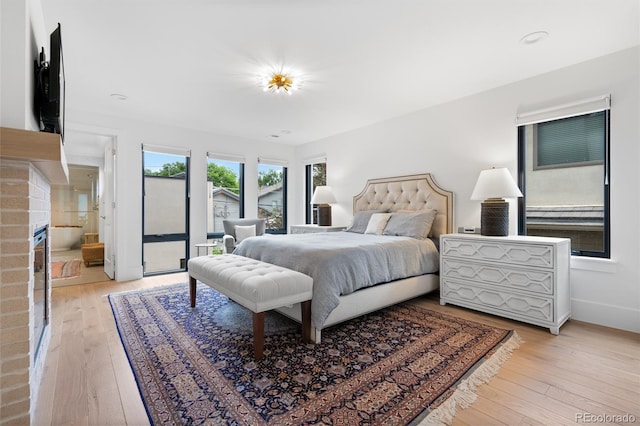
130 135
22 35
454 141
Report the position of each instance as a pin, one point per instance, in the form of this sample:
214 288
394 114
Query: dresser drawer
512 305
508 277
538 255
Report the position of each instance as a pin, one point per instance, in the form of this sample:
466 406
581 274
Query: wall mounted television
49 105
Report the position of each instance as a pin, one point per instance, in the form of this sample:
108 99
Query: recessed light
273 136
534 37
119 96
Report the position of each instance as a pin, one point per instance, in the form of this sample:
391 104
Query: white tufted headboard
414 192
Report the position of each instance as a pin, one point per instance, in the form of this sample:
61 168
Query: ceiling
195 63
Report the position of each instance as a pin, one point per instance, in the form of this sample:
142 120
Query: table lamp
492 187
323 197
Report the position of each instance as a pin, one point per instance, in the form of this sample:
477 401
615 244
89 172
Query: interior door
107 209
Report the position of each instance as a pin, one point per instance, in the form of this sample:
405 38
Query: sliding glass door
165 239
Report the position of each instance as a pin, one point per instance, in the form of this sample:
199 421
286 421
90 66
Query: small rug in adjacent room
402 365
65 269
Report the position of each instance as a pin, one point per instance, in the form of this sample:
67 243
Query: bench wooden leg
258 335
306 321
192 291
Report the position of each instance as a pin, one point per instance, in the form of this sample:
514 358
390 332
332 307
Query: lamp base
494 218
324 215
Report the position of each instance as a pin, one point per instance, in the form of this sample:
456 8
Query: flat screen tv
49 90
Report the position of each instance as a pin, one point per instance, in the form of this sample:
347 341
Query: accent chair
236 230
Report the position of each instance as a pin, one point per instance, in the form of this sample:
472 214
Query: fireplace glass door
40 284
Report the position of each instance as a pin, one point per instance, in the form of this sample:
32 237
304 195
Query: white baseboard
607 315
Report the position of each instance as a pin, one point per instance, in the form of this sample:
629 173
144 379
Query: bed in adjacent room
387 255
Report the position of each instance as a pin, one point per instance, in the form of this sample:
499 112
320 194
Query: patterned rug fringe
402 365
465 394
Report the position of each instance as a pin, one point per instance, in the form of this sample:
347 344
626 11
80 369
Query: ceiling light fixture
280 81
534 37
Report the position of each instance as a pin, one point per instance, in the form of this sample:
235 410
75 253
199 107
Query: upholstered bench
256 285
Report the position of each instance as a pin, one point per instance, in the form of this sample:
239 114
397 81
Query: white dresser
518 277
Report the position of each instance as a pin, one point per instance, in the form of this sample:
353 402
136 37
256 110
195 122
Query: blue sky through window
232 165
154 160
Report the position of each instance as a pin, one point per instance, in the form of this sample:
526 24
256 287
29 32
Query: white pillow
377 223
243 232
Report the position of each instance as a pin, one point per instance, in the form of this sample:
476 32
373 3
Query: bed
356 272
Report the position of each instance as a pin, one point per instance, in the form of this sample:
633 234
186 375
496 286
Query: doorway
75 221
165 239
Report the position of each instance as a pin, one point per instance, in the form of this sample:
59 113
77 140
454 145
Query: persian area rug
65 269
402 365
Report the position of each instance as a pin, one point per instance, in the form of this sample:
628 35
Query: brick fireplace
25 208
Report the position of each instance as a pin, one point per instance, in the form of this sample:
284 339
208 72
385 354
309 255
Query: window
225 192
272 195
563 172
165 208
315 175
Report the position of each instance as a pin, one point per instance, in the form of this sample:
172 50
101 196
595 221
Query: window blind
226 157
316 159
273 161
570 140
172 150
572 109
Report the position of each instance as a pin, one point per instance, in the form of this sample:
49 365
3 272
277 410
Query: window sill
594 264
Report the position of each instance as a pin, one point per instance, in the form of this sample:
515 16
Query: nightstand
312 229
519 277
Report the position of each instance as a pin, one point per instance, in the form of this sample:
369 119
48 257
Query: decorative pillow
361 220
243 232
416 224
377 223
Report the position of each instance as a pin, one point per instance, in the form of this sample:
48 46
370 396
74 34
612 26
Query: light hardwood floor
549 380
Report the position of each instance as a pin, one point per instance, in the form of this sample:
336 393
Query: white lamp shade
495 183
323 195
